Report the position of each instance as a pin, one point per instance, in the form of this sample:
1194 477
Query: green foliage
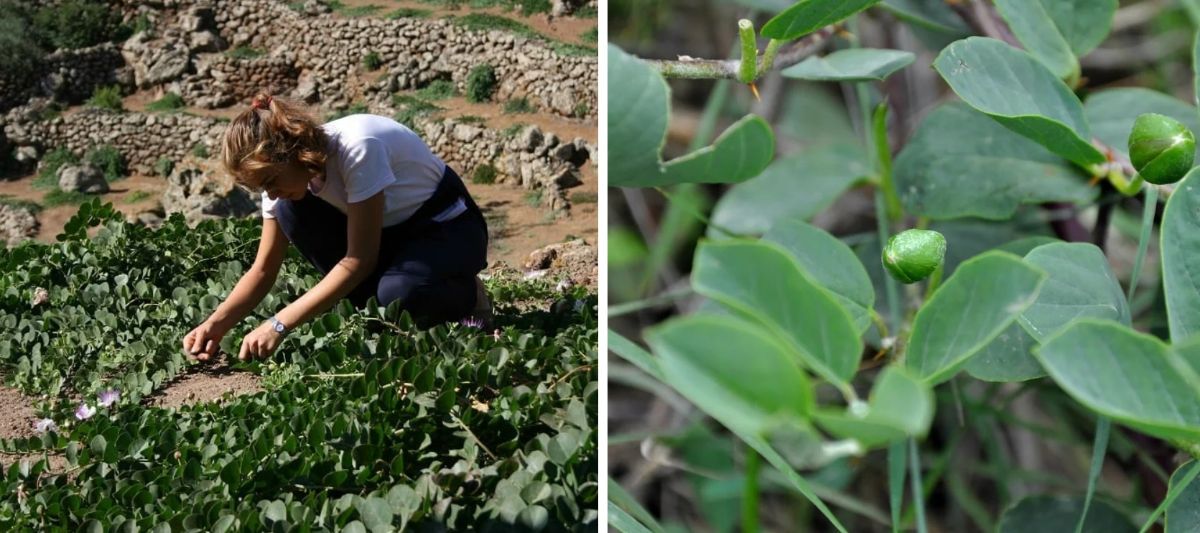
591 35
136 196
372 61
583 197
76 24
484 174
244 52
358 11
393 426
407 12
410 108
59 197
164 166
18 203
438 90
107 97
109 160
513 130
531 7
169 102
47 177
470 119
518 105
200 150
481 83
19 51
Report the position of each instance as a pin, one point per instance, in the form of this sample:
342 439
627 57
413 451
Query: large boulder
574 260
17 223
85 178
197 189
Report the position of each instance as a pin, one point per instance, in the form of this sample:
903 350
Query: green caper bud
911 256
1161 148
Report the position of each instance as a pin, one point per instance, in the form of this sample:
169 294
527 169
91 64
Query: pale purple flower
496 334
472 323
84 411
108 397
44 425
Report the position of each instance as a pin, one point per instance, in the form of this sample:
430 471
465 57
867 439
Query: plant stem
748 70
1171 495
1144 239
1103 425
750 494
896 482
768 57
730 69
893 295
653 301
914 463
883 157
935 281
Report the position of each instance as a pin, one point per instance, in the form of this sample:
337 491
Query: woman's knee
429 301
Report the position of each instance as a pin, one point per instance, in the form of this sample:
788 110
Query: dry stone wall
69 76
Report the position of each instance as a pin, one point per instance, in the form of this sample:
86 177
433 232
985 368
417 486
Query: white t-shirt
371 153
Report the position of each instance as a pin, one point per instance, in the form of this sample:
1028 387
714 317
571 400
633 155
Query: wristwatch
278 326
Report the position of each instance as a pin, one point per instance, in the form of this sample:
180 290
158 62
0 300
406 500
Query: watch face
279 327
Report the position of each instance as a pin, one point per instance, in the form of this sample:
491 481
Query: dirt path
566 29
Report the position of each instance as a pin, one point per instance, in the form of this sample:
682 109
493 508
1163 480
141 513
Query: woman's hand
204 341
260 343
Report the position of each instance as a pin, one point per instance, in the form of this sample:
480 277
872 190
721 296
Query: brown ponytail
272 131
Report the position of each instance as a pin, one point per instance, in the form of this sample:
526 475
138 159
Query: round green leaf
900 406
1180 244
807 16
1031 24
851 64
831 264
983 297
762 282
1049 514
1183 516
736 372
1128 376
1018 91
1111 113
1009 357
1081 284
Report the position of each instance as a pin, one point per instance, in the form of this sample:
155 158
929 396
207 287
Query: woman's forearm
249 291
339 282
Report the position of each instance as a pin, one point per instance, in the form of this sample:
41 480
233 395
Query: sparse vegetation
59 197
488 22
109 160
169 102
407 12
438 90
513 130
518 105
244 52
534 198
47 177
358 11
410 108
106 97
136 196
484 174
164 166
355 108
481 83
581 110
200 150
372 61
591 36
585 12
572 50
583 197
471 119
530 7
19 203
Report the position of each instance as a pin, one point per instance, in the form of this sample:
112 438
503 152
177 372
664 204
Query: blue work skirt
430 266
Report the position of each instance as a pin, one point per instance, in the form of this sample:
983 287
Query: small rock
530 139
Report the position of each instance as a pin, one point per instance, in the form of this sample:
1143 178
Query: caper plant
810 348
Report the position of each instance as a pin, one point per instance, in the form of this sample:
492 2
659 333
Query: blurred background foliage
991 444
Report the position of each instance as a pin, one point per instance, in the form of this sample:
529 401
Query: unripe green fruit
1161 148
911 256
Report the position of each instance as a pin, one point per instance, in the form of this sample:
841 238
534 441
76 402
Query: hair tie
264 103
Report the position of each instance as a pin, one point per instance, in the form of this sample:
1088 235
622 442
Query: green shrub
372 61
530 7
142 24
358 11
169 102
438 90
513 130
19 52
244 52
47 177
164 166
591 36
200 150
109 160
488 22
470 119
518 105
484 174
76 24
106 97
406 12
581 110
136 196
481 83
585 12
572 50
534 198
583 197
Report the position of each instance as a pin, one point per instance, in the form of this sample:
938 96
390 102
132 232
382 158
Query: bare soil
16 415
205 383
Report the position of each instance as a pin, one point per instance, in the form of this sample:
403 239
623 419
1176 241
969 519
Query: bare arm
257 281
364 221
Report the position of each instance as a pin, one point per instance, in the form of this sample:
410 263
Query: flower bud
913 255
1161 148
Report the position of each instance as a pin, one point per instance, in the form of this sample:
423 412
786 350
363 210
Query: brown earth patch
16 414
205 383
52 219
